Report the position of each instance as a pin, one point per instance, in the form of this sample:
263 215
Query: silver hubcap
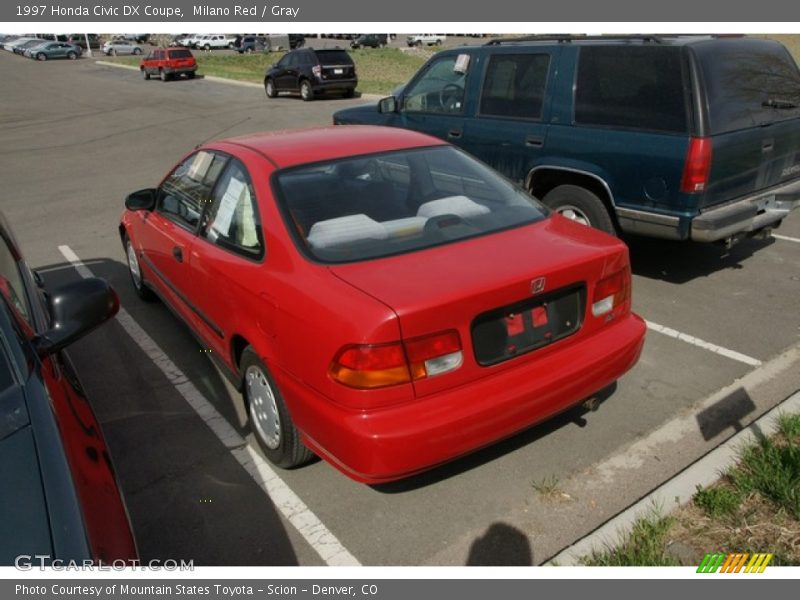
133 265
263 408
306 91
574 214
270 88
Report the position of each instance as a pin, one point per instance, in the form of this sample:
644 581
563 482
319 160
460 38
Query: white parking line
291 506
786 238
690 339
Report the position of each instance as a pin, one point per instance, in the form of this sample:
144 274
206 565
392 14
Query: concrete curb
250 84
678 490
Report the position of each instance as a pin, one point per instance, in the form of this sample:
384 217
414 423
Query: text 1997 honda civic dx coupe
381 298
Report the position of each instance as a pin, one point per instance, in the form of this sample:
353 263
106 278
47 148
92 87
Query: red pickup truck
167 63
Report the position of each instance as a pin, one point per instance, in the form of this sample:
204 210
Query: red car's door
227 263
166 235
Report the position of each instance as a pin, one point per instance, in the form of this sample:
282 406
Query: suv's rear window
333 57
748 83
180 54
365 207
639 87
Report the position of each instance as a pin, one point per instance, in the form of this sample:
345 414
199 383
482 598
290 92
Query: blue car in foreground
59 498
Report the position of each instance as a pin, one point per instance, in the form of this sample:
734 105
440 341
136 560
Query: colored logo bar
734 563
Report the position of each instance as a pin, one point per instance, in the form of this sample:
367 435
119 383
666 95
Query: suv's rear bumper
389 443
746 215
333 85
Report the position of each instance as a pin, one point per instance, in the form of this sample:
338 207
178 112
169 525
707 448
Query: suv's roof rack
568 38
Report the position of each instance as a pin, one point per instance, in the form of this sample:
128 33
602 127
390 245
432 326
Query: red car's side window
186 192
233 221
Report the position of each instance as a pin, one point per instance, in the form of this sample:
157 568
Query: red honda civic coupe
379 297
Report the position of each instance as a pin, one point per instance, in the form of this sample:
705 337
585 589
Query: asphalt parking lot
76 137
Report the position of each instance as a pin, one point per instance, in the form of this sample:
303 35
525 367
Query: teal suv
677 137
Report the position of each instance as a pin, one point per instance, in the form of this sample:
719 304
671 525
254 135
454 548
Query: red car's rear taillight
612 292
697 166
366 366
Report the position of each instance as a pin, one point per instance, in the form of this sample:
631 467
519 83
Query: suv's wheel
349 92
145 74
269 88
137 279
137 51
163 75
306 93
207 47
41 56
580 205
269 418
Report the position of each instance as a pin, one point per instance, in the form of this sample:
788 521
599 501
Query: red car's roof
296 147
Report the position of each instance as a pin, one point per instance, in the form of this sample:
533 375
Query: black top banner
326 11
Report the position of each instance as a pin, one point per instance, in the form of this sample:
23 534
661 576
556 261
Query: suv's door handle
767 145
454 133
534 140
177 253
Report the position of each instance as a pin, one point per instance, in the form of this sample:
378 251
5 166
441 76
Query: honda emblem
537 285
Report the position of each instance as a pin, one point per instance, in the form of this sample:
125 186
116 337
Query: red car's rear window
180 54
383 204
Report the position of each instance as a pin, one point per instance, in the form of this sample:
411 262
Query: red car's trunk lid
449 286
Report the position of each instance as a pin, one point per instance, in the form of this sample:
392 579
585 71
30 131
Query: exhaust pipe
592 404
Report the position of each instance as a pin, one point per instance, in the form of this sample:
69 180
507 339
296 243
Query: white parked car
189 40
214 41
429 39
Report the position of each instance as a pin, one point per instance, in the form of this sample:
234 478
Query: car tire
207 48
162 74
72 55
135 272
306 93
349 92
581 205
145 74
137 51
270 421
437 43
269 88
190 74
41 56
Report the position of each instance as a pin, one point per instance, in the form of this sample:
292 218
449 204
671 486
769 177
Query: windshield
383 204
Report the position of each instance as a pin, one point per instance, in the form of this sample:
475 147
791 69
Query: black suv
311 72
678 137
370 40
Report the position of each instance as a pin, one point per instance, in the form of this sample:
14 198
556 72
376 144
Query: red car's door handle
177 253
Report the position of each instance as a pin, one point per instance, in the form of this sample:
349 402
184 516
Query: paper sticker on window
199 166
227 206
462 62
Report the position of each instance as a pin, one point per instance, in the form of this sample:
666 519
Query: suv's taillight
317 71
697 166
612 293
366 366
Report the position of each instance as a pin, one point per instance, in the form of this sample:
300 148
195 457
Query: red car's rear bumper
391 443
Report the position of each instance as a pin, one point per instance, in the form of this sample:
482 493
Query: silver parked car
115 47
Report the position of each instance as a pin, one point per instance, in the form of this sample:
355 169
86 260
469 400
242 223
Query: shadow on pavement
501 545
680 262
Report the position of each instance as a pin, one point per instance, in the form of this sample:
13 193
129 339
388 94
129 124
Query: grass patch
718 501
379 70
755 507
772 469
546 486
645 546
